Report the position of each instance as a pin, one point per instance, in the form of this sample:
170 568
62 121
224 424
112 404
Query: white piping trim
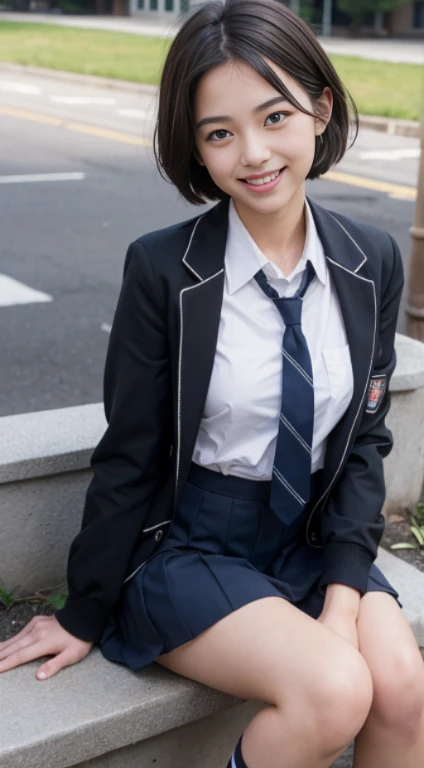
188 247
190 288
134 572
366 280
354 242
158 525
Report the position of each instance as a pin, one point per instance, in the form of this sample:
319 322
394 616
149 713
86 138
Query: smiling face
256 132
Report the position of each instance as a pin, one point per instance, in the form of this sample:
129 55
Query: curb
392 126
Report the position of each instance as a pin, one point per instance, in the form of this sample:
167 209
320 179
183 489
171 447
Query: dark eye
215 133
276 114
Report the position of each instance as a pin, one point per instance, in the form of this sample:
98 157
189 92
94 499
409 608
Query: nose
253 151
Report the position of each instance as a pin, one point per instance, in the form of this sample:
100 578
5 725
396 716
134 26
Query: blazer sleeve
352 523
126 462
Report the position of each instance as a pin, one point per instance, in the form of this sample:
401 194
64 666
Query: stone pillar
415 304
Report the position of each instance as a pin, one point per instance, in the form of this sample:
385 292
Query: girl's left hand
342 624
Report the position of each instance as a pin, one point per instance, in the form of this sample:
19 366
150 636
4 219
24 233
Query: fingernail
41 675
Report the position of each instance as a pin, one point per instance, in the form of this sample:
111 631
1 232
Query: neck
279 235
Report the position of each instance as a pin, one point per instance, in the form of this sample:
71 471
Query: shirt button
158 535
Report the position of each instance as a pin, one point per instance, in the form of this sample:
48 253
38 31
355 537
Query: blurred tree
356 9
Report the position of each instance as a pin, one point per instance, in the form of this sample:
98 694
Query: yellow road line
34 116
92 130
396 191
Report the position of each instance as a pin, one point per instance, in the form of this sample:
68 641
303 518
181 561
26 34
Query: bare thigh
269 650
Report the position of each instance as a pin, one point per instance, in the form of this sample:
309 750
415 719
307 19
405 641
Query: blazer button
158 535
314 537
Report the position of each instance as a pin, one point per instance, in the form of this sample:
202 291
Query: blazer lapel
349 272
199 314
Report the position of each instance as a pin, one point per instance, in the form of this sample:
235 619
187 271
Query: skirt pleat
225 548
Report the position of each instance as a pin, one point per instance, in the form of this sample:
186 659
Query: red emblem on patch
376 392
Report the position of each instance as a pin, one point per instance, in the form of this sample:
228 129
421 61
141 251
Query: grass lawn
379 88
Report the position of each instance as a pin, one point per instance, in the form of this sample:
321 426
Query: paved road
408 51
64 238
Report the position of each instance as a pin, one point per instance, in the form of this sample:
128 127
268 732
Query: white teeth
264 179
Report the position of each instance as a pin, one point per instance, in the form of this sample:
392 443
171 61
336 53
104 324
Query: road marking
13 292
92 130
34 117
396 191
106 327
34 177
32 90
392 154
86 100
105 133
137 113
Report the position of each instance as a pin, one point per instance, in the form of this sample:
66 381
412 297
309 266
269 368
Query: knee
343 698
398 700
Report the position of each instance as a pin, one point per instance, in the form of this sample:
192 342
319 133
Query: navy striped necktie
291 475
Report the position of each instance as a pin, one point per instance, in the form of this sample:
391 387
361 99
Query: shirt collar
243 258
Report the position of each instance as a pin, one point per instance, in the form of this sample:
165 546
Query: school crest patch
376 390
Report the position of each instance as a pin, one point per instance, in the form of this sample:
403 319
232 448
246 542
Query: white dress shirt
239 427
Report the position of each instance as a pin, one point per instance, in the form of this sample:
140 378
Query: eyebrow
225 118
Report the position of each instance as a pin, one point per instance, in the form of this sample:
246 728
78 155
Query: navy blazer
158 367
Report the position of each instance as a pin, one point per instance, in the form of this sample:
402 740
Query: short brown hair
246 31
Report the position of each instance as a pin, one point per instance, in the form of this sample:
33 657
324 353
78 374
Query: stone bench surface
96 706
48 442
92 708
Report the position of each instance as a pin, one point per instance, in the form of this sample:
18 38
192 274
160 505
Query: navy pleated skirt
225 548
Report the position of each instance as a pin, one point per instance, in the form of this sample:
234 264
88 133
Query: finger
29 639
53 666
16 646
31 652
25 631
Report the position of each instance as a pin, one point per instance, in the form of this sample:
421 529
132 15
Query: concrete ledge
409 372
404 467
48 442
98 714
96 707
409 582
391 125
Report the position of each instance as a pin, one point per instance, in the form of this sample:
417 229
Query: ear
324 108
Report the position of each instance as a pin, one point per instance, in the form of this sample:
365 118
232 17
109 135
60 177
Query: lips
259 176
255 176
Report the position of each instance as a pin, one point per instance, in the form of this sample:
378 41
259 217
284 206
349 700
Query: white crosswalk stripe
37 177
13 292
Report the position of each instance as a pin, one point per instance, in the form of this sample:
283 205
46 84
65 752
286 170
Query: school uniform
178 529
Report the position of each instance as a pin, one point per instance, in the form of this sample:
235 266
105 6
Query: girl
246 390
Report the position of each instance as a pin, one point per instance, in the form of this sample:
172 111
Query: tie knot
290 309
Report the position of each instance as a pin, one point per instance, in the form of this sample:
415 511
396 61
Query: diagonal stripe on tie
295 433
288 487
291 475
298 367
